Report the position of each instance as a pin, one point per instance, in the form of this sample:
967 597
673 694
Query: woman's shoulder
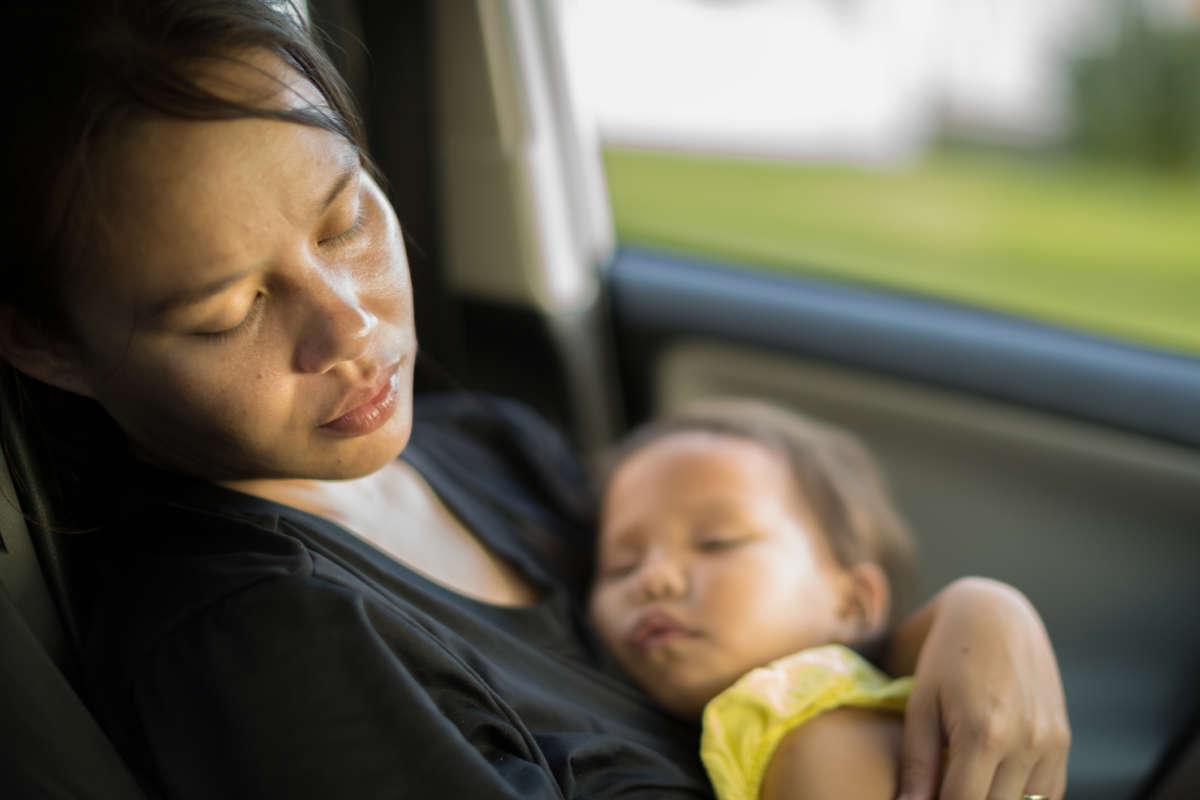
169 558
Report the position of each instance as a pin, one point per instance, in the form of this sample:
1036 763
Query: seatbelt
50 745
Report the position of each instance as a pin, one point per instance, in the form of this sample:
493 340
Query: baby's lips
655 625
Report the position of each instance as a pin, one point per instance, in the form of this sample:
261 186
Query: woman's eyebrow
349 168
194 294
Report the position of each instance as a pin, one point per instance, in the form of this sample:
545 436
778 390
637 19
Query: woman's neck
395 485
396 511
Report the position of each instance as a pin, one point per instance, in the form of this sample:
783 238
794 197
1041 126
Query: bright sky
860 79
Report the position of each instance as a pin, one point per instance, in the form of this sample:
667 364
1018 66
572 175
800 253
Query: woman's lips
372 414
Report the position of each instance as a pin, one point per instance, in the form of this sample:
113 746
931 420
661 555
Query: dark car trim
657 295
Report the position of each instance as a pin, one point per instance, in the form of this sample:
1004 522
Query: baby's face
709 565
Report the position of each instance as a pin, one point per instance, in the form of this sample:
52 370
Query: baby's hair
836 476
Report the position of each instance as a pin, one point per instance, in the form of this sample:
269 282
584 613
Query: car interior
1064 463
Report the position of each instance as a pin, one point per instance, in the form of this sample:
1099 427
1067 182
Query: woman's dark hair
80 75
87 71
834 474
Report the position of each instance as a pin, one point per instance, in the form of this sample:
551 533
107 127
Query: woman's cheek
206 388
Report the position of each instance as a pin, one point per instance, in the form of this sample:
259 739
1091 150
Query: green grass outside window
1102 249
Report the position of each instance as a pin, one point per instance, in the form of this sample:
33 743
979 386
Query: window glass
1038 157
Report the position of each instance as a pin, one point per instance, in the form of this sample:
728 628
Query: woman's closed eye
348 234
242 326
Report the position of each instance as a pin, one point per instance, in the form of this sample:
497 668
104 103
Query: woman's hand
987 698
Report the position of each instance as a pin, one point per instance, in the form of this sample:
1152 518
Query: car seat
50 744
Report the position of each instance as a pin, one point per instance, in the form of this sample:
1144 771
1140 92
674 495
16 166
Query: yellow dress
744 724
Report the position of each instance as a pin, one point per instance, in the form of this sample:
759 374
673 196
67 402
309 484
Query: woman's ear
30 349
864 603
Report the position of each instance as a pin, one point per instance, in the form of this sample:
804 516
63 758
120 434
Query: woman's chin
360 456
290 455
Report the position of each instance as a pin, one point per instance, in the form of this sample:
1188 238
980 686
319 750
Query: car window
1038 159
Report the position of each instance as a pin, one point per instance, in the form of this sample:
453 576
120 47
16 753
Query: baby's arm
843 754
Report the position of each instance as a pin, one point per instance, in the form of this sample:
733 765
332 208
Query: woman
289 610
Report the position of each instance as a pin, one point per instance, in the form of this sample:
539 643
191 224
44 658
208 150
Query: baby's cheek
600 616
756 615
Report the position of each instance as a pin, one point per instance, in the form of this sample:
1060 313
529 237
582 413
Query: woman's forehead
192 199
205 196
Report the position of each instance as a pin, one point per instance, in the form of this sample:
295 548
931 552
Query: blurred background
1034 157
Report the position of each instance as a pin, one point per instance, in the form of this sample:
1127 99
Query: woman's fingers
984 760
969 774
1051 744
1048 778
1011 779
986 685
921 760
976 770
1005 754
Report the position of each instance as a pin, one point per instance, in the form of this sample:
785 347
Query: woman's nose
662 578
338 328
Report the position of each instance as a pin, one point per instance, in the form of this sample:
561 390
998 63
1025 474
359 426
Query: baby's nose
663 578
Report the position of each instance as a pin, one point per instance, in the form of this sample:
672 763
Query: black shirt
243 648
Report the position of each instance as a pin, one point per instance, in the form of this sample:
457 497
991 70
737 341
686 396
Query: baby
742 550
